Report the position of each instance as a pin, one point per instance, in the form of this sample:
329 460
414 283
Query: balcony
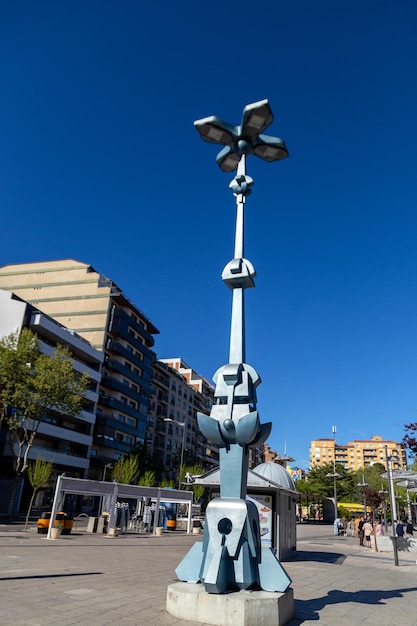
112 383
117 366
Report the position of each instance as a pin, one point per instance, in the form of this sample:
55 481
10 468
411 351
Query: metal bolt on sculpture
231 556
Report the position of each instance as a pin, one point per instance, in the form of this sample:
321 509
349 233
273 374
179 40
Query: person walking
379 530
409 528
361 533
368 531
352 527
399 529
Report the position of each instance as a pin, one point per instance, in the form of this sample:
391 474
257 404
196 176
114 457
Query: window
116 456
128 439
126 382
93 453
119 437
131 422
127 365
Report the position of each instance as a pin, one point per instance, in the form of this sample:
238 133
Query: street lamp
335 475
408 484
182 424
239 141
363 486
389 459
105 470
383 493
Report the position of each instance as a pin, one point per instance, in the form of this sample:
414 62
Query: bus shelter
114 491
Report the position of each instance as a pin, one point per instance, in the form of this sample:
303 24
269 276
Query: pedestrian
361 534
352 527
379 530
399 529
336 525
409 528
368 531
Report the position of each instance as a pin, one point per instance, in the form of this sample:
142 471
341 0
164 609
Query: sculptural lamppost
231 556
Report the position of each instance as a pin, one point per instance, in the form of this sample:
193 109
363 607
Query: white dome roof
276 474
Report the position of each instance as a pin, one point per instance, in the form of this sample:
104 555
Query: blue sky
99 161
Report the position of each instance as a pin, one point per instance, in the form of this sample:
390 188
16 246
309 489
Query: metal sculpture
231 556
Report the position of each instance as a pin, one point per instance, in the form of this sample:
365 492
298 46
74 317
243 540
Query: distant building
178 393
92 305
356 454
64 440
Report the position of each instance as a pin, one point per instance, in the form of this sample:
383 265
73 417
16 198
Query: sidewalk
93 580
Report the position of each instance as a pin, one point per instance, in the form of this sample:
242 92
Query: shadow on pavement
307 610
320 557
50 576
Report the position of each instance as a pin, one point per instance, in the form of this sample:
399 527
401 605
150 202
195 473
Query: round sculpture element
225 526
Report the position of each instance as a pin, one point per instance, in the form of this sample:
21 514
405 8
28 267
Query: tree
39 474
32 387
194 470
319 483
126 470
148 479
410 438
147 462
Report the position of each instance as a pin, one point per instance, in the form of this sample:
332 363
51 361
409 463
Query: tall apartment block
356 454
178 393
83 300
66 441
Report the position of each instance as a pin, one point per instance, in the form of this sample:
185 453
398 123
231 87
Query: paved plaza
90 579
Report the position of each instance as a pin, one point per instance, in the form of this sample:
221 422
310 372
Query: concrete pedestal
246 608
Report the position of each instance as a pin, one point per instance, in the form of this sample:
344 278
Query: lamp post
230 557
363 486
389 459
383 493
182 424
105 470
335 475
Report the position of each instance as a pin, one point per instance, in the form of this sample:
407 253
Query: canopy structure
80 486
401 475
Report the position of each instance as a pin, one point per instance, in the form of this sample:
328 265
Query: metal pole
392 501
182 456
334 471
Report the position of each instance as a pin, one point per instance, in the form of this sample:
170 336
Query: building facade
94 307
178 393
356 454
64 440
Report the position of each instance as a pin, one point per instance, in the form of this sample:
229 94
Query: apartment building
64 440
178 393
356 454
94 307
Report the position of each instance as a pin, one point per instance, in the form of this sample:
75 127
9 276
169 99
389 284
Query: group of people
364 529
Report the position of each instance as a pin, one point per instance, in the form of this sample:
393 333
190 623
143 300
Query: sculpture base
247 608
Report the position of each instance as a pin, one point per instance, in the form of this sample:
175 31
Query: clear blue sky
99 161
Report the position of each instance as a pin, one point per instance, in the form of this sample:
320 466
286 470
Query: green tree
321 482
126 470
148 479
167 483
193 470
39 474
32 387
147 462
